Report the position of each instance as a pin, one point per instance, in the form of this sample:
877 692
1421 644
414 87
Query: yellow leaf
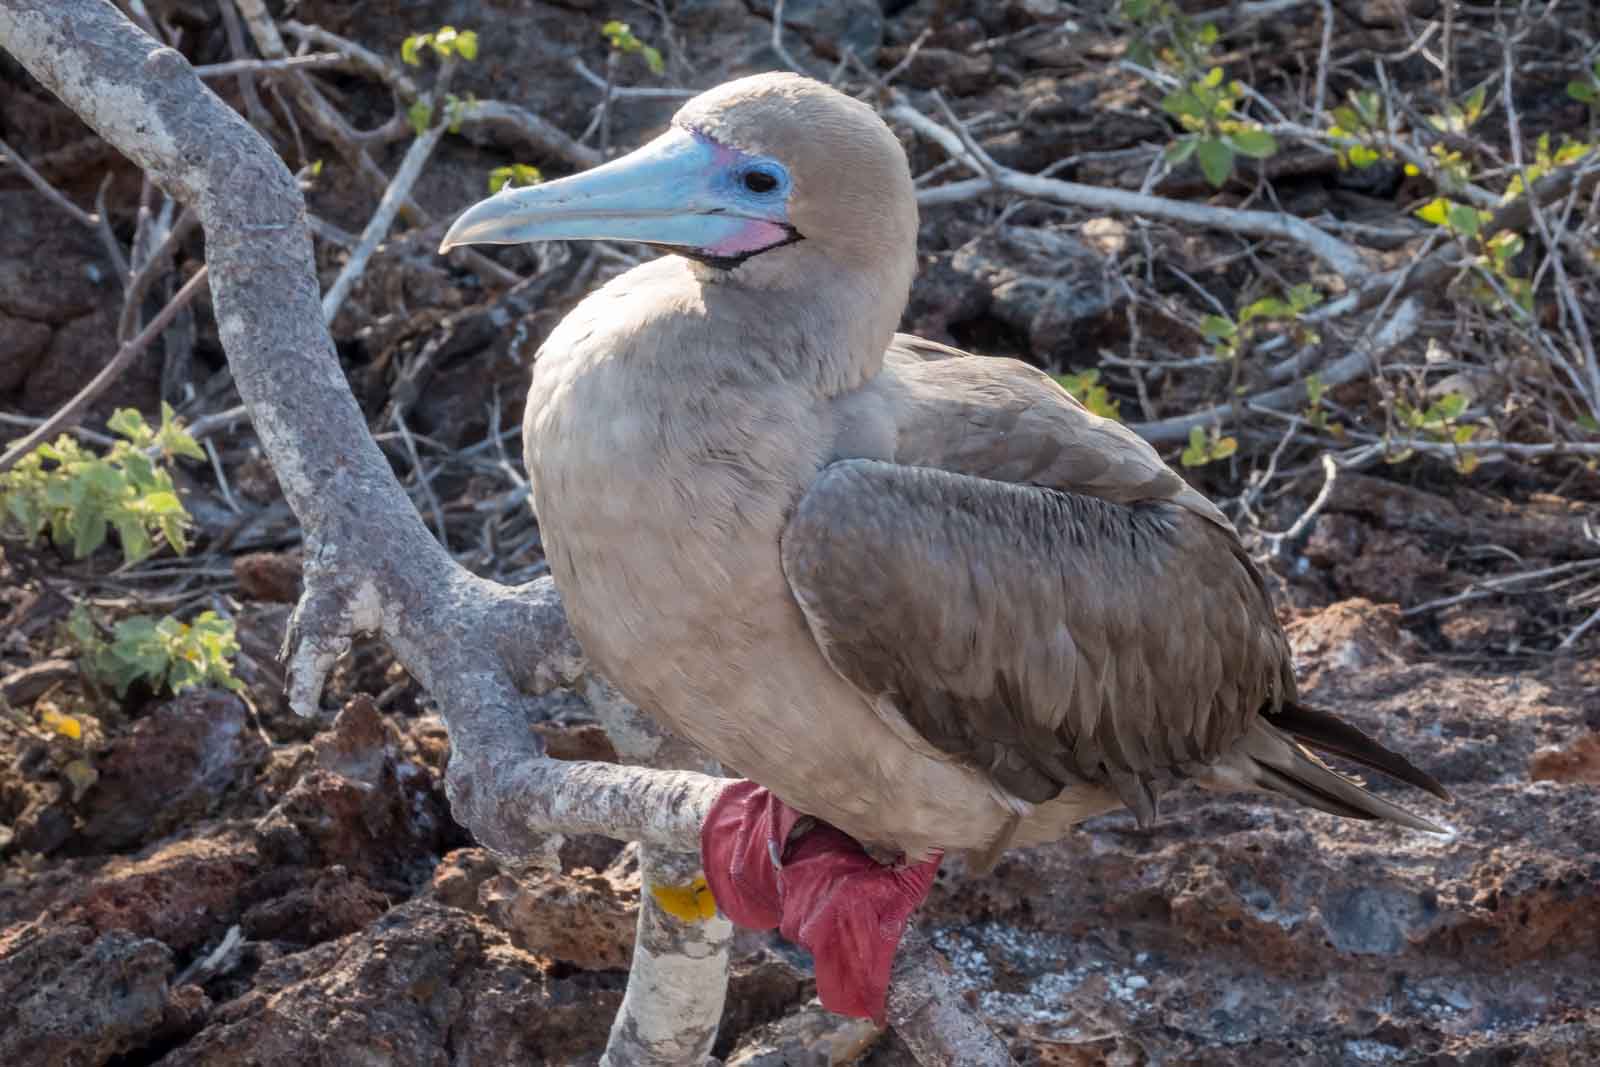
691 903
65 725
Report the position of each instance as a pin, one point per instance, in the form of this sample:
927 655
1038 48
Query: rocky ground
208 879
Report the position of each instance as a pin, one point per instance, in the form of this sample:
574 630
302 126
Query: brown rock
586 918
175 764
1045 284
73 999
1350 635
183 894
423 986
1576 762
333 905
22 344
270 576
365 802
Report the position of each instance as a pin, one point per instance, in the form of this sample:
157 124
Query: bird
920 600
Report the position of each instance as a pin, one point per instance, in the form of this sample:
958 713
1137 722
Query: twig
1487 586
360 56
1394 332
777 40
628 92
31 421
243 68
153 267
1564 290
423 480
377 226
51 193
542 134
108 373
1582 628
1297 529
1343 258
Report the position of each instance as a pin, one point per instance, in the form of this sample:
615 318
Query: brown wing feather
1002 419
1043 636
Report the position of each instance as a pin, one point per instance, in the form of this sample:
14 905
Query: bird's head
758 176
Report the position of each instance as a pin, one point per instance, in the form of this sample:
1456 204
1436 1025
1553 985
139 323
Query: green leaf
1216 160
1184 102
420 114
653 60
1224 447
1213 78
1268 307
1361 157
1447 407
1257 144
411 48
1215 327
1463 219
1179 151
1583 92
130 424
467 45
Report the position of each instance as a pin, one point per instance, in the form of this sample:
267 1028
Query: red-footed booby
918 597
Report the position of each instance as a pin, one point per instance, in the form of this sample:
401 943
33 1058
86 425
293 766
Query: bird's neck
824 324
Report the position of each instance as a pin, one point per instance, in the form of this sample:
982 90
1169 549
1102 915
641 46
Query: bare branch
378 226
1343 258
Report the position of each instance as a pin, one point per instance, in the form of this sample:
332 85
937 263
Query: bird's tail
1275 756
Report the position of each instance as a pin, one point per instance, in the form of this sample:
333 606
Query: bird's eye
759 181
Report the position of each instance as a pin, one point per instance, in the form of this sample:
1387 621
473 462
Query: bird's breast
661 501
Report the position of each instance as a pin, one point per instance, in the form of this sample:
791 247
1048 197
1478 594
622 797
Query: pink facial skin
754 235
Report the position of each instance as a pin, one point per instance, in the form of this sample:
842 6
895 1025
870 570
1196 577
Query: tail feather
1327 733
1267 759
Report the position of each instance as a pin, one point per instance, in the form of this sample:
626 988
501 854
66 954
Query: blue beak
678 190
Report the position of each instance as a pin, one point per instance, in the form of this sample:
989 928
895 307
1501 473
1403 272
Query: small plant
623 41
1206 447
513 175
1315 414
445 42
167 654
77 497
1085 386
1228 338
1586 90
1206 107
1437 422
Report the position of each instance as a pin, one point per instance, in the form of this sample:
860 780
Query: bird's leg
821 889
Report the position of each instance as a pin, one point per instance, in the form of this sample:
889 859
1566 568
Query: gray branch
482 650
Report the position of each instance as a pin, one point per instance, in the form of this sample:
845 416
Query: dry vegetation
1340 259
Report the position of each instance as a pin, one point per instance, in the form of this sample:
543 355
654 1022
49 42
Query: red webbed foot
822 891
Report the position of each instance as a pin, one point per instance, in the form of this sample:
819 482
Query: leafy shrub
77 497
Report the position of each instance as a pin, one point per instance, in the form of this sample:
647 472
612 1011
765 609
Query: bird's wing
1002 419
1043 636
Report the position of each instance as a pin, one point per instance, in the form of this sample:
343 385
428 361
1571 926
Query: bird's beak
672 191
